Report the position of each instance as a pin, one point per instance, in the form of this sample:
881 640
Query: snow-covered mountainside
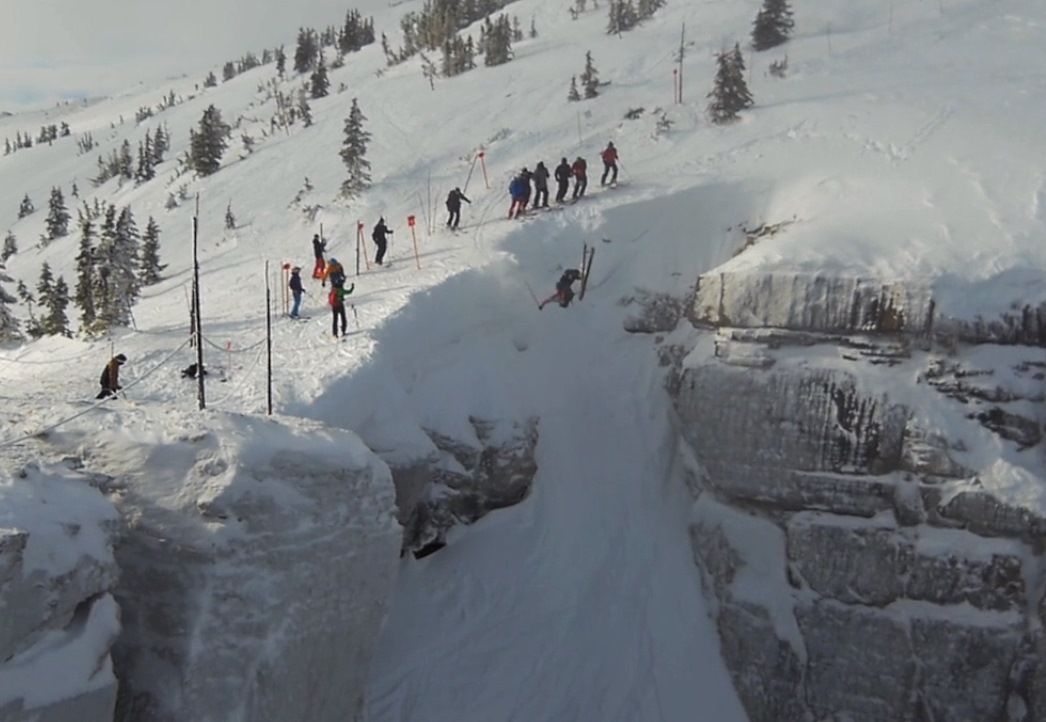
782 462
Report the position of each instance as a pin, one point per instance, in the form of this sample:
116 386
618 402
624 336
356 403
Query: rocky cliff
869 507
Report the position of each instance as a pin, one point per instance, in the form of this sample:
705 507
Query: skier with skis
454 199
609 164
580 171
335 272
540 186
527 176
110 379
380 236
336 298
564 293
517 189
318 247
563 176
296 290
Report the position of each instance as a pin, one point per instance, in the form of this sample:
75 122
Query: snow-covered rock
256 563
58 620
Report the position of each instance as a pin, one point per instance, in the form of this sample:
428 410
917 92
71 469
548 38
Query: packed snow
900 145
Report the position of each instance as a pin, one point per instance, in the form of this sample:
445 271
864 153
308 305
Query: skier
296 289
318 247
564 293
380 237
609 164
540 186
563 175
517 189
580 170
110 379
335 272
526 175
454 199
336 298
189 372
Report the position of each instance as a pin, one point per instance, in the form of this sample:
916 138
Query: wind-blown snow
904 144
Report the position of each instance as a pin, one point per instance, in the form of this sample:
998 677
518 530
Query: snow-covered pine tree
319 83
281 61
57 215
126 161
32 328
228 71
304 109
210 81
149 268
573 95
84 294
590 77
144 172
773 24
207 144
646 8
307 50
161 144
622 17
230 219
10 247
9 325
53 298
354 153
730 94
497 41
26 207
116 286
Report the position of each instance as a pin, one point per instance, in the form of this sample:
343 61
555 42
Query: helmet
525 169
458 190
296 269
120 358
562 160
333 260
316 237
610 144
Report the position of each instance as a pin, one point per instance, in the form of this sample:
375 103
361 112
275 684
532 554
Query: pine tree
146 158
125 162
10 247
320 83
354 152
149 268
228 71
26 208
230 219
115 287
281 61
9 325
590 78
25 296
307 50
210 81
208 143
497 41
84 295
573 96
730 94
161 144
53 297
304 109
622 18
57 215
772 25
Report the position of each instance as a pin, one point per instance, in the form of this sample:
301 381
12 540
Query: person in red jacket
609 164
580 169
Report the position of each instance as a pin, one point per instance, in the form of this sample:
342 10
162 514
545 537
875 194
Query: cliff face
870 509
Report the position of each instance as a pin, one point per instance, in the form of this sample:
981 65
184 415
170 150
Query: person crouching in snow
337 302
110 379
564 293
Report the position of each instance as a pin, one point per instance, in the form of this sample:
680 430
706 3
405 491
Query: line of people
520 188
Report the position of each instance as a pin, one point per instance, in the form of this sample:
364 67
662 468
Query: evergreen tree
161 144
25 296
125 163
116 286
281 61
730 94
573 96
308 50
304 109
772 25
9 326
53 297
230 219
74 191
57 215
10 247
208 143
320 83
150 267
146 156
228 72
84 294
497 41
590 78
26 208
622 18
354 152
210 81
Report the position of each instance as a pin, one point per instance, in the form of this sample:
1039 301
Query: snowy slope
902 142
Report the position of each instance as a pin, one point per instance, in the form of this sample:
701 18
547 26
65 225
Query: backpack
337 275
334 298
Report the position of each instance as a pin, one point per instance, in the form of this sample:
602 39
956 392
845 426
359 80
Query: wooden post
200 394
675 85
268 341
483 164
414 237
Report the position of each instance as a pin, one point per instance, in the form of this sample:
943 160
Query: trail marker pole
285 295
200 395
483 164
469 176
268 342
414 237
675 85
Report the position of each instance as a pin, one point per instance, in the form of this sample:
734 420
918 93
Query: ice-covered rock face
256 563
871 510
58 620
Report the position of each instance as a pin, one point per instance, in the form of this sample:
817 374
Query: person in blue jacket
296 290
518 189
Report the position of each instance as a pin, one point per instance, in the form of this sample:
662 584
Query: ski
586 268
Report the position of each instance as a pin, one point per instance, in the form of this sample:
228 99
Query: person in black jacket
318 247
296 290
380 236
540 176
564 293
454 199
110 379
563 175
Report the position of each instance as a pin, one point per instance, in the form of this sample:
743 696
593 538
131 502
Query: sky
584 601
55 50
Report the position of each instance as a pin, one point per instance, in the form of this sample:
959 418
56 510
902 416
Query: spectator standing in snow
318 247
110 379
526 175
580 170
380 236
296 290
609 164
516 189
540 186
454 199
563 175
336 298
